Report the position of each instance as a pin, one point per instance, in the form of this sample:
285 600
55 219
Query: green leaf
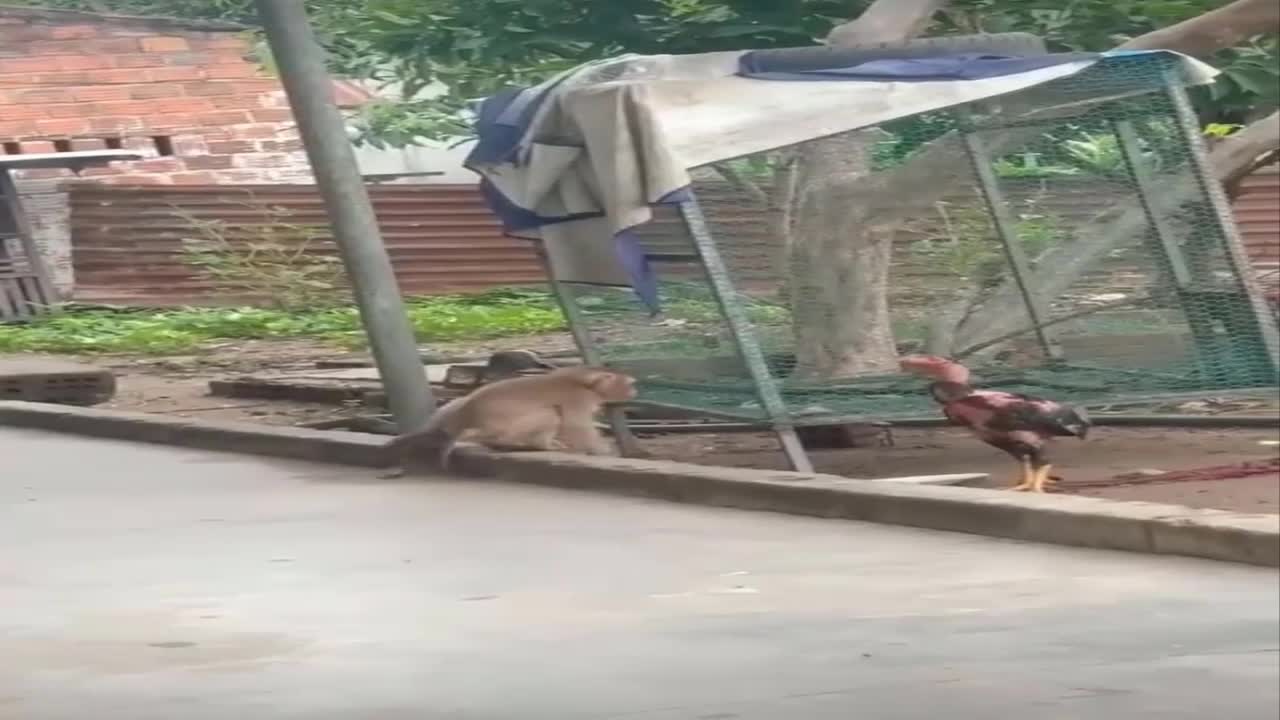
394 19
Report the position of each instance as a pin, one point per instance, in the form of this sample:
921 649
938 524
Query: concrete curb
285 442
1058 519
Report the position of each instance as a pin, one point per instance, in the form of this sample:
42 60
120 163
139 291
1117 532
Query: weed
272 261
503 313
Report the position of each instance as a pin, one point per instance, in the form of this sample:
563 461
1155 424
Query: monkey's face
614 387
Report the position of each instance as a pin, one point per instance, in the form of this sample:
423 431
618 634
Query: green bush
502 313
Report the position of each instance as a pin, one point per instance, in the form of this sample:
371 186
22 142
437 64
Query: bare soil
1109 451
178 386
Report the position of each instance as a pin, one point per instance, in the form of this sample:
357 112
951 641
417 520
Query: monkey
513 363
553 411
500 366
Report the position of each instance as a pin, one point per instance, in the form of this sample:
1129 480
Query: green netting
840 254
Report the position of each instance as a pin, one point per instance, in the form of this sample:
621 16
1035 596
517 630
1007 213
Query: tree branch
782 199
1217 29
1238 155
886 21
1235 186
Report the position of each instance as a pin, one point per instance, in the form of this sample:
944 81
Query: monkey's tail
434 434
447 444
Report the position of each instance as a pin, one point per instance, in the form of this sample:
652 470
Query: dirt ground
1109 451
178 386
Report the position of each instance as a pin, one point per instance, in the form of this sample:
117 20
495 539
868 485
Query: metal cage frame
783 421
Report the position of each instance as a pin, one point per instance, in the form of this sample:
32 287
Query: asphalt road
150 583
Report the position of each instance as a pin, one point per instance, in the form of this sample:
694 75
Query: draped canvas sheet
581 159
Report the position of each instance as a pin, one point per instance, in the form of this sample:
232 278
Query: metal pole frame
1172 258
1189 127
628 445
744 338
1131 151
1006 230
301 66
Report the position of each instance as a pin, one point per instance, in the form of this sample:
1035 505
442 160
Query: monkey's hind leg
541 441
584 438
524 437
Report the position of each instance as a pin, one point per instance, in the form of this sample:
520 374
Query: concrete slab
315 385
949 479
151 583
435 374
54 380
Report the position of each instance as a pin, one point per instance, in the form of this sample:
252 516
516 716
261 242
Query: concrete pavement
153 583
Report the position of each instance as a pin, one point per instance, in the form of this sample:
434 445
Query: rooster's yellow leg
1027 479
1041 478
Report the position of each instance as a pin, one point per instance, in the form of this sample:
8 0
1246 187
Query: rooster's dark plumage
1020 425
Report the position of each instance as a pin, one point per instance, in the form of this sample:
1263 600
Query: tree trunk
886 21
838 259
839 266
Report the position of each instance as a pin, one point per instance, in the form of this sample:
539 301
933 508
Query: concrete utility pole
355 227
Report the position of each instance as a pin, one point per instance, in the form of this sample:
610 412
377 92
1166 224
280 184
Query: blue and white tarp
581 159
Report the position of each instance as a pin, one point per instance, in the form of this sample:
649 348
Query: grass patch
505 313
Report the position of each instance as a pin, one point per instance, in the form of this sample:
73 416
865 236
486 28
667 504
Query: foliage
477 48
690 302
1218 131
510 312
1028 165
229 10
160 332
907 135
350 53
1077 25
1249 85
969 249
276 261
1080 151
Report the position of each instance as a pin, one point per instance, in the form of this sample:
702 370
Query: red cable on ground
1218 472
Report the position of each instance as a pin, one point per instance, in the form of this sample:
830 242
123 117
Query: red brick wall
91 85
187 99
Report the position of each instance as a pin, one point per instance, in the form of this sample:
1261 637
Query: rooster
1020 425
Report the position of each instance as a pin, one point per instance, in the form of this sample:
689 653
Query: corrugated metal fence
127 241
1258 217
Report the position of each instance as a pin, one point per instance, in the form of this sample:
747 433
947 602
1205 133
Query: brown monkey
513 363
555 411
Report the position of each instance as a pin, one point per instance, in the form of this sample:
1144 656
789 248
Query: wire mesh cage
1064 241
